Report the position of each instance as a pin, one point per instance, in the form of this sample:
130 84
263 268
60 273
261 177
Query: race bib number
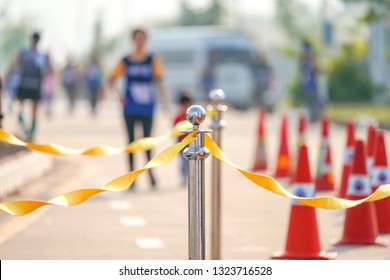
141 93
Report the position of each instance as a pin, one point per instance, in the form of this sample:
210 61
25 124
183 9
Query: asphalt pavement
148 224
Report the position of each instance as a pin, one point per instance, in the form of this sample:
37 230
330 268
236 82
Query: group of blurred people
89 80
32 76
309 82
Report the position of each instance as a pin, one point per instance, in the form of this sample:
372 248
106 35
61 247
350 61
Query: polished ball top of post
217 95
195 115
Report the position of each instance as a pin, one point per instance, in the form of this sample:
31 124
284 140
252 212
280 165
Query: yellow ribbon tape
123 182
272 185
143 144
23 207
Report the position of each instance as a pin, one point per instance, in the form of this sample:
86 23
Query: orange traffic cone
260 156
348 156
283 160
361 225
302 123
303 241
380 176
301 139
371 139
324 176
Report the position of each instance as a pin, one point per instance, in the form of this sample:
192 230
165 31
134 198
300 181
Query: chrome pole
196 153
217 98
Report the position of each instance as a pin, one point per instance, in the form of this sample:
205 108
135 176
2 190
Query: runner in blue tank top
140 95
32 66
143 78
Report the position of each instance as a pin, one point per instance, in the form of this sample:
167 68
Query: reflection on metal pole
217 98
196 153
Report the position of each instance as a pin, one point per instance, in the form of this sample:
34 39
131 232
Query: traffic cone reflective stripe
324 176
301 130
303 240
325 181
300 138
330 178
283 163
381 176
283 160
360 226
371 139
260 162
260 157
348 156
303 190
358 186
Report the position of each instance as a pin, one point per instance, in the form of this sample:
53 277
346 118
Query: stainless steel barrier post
217 97
196 153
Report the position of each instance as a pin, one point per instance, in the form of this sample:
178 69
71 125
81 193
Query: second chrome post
217 98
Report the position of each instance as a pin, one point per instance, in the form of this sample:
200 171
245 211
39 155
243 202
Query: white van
185 52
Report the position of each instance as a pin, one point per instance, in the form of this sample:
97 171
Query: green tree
290 15
377 17
14 33
349 79
97 33
212 15
100 44
372 14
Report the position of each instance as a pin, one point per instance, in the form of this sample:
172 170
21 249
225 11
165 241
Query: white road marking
120 205
132 221
149 243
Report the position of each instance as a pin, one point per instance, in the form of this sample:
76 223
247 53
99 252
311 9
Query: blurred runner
48 87
69 82
209 76
263 79
143 72
12 79
31 63
309 79
93 79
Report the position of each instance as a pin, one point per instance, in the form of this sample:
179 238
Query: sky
68 24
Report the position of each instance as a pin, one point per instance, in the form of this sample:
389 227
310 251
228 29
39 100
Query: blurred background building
349 38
